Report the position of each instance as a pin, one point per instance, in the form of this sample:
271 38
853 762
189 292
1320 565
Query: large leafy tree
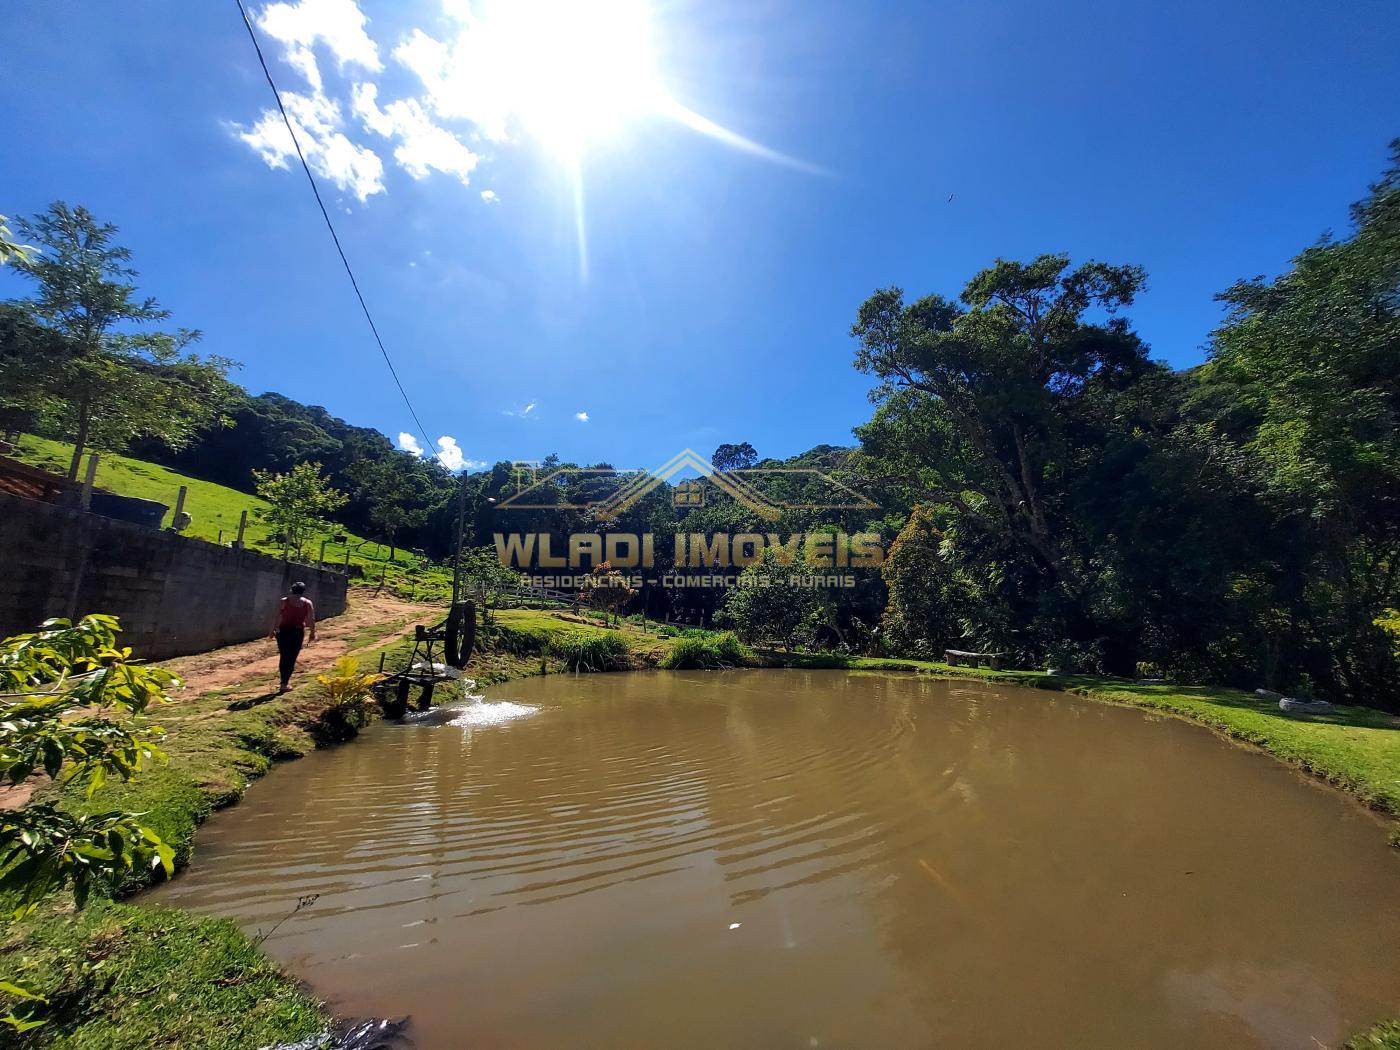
978 405
1305 375
112 378
734 457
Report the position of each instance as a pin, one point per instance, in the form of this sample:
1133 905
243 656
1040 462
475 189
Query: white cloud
582 417
339 24
317 120
523 413
461 80
489 196
303 60
451 455
409 443
423 145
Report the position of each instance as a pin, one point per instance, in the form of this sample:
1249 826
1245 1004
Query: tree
1311 361
924 603
111 382
484 575
389 487
608 590
764 603
301 500
980 406
27 350
734 457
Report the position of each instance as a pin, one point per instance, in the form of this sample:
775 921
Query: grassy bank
129 975
215 511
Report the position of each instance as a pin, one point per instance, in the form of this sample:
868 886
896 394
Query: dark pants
289 642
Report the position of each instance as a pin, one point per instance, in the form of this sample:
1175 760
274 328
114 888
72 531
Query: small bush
351 692
727 647
592 652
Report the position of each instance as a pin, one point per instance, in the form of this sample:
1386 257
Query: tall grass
592 652
704 652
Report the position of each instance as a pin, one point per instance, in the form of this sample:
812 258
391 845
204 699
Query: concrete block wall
174 595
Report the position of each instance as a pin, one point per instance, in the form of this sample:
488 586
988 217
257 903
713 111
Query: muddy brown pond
812 859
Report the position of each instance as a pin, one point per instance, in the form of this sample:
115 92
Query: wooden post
88 480
321 558
220 540
242 526
179 506
461 535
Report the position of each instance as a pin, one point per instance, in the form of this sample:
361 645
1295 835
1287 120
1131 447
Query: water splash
495 713
482 712
471 712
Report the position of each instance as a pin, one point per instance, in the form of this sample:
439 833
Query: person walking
296 616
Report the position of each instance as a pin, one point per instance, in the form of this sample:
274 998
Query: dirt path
247 673
241 672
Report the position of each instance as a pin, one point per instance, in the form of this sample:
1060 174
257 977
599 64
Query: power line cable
253 36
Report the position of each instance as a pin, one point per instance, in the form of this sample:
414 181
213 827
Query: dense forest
1045 487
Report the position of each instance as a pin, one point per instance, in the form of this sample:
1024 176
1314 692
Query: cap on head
298 588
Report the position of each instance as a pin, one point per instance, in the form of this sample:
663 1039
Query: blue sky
1206 141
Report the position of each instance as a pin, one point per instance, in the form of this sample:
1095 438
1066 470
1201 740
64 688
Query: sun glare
572 73
568 74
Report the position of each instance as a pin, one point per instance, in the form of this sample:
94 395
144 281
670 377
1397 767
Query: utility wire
422 430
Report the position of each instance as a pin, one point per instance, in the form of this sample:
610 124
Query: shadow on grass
1342 716
252 701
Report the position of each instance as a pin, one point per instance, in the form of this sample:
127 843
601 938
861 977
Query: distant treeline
1042 486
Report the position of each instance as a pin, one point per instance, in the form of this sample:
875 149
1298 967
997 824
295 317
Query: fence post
321 558
179 506
88 479
242 525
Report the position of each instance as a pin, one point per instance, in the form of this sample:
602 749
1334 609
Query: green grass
215 510
127 977
177 979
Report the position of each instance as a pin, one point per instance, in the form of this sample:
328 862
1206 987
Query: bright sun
570 73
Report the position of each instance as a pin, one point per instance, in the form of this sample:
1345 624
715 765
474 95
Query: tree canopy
100 375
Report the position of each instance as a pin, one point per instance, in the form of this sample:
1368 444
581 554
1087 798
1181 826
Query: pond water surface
813 859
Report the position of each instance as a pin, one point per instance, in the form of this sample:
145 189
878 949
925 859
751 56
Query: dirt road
241 672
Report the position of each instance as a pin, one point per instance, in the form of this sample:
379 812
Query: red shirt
294 611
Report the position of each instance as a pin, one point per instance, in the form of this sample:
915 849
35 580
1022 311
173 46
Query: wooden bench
955 657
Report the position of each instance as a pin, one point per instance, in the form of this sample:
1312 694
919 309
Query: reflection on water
769 859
